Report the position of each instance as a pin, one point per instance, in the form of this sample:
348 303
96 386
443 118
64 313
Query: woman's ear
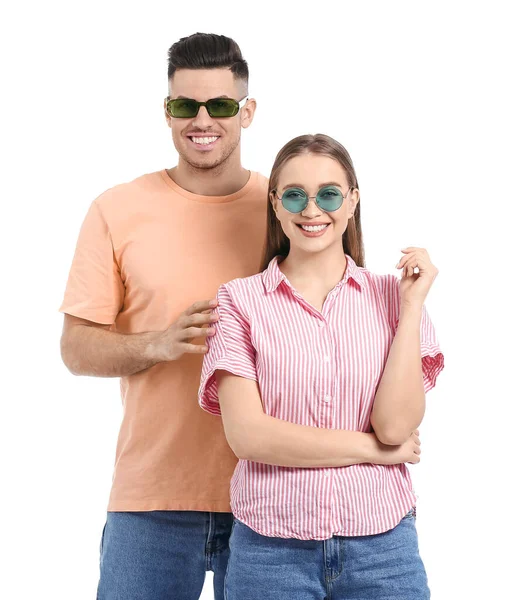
274 200
354 201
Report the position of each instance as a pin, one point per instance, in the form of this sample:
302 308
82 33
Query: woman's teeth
314 227
204 140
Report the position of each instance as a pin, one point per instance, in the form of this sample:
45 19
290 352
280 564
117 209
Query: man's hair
207 51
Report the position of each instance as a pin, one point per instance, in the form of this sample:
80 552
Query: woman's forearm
276 442
256 436
399 403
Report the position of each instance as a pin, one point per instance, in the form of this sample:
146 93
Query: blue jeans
386 566
163 555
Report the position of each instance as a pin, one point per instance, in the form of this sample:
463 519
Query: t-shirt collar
273 276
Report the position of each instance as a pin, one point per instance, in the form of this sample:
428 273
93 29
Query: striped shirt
319 369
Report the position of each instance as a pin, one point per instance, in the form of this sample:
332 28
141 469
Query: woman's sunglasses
329 198
217 108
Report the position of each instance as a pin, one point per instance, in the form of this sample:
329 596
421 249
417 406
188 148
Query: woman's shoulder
384 282
243 291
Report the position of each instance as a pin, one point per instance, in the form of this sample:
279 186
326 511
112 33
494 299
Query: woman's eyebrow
299 185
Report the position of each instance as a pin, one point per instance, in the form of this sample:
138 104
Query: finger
200 319
201 306
418 451
412 249
194 349
194 332
403 261
406 259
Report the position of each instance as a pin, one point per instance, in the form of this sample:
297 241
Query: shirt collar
273 276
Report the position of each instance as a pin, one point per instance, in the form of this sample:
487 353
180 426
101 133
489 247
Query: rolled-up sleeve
430 351
229 349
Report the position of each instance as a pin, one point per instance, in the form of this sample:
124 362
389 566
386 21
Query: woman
308 357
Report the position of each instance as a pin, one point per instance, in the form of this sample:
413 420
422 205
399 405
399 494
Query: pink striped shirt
319 369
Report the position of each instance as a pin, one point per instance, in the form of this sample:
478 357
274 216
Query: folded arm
258 437
399 403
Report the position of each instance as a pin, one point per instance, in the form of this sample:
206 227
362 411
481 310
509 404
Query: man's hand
176 340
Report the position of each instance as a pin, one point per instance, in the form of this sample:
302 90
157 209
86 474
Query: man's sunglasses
217 108
329 198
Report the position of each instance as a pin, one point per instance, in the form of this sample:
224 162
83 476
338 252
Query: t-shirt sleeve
432 356
229 349
94 290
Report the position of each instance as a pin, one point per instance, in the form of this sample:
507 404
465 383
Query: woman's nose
312 209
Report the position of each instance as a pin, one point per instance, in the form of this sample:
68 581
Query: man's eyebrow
299 185
180 97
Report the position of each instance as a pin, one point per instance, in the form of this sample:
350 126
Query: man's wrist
153 347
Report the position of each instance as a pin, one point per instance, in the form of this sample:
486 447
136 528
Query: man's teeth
204 140
314 227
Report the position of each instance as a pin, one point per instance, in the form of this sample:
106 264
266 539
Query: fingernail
213 302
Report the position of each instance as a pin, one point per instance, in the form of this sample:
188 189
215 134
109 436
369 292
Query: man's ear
168 118
248 112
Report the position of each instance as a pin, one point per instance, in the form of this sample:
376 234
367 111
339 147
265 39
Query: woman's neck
322 270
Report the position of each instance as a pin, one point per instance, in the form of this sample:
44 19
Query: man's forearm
399 403
102 353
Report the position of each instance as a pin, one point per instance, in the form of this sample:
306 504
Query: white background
423 97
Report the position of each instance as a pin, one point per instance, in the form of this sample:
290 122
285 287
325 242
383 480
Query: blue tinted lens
294 200
329 198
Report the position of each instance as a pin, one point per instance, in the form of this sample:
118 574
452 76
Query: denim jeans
163 555
386 566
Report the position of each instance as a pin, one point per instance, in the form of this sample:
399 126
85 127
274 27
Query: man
150 255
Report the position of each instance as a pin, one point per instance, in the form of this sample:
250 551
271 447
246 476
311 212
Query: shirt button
327 398
321 323
326 359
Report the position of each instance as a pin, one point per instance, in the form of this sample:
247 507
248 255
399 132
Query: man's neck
219 181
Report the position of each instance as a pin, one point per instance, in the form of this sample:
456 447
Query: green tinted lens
222 107
182 108
329 198
294 200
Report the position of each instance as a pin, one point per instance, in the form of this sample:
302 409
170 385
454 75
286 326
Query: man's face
205 142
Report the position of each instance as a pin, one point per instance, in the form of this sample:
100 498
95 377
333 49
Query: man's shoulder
260 184
121 194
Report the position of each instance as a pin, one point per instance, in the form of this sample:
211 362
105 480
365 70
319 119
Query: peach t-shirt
146 251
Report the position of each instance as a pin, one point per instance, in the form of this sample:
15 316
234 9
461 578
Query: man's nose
202 120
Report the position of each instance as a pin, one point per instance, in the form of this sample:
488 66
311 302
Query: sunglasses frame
239 103
315 198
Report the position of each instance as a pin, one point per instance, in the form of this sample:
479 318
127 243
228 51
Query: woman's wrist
373 452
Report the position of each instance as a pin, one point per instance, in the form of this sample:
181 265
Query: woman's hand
408 452
415 286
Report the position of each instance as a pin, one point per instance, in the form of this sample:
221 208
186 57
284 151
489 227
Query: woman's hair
277 243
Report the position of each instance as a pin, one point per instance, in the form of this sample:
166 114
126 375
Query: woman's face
311 172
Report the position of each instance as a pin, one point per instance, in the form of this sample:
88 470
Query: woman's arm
255 436
399 403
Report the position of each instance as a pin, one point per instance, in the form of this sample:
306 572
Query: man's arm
89 348
255 436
